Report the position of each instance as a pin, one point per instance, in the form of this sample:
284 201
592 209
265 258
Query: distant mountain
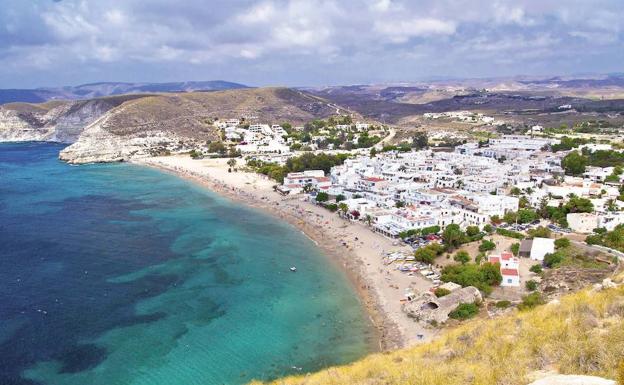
94 90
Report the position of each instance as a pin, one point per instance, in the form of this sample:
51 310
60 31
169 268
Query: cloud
302 42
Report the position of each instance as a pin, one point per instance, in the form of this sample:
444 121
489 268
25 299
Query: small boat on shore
293 269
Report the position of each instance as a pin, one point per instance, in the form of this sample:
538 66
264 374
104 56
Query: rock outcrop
429 308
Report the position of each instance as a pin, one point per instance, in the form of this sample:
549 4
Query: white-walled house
537 248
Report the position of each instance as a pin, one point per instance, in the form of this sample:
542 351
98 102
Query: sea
118 274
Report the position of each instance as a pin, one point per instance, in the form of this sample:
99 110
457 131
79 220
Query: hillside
94 90
583 333
165 123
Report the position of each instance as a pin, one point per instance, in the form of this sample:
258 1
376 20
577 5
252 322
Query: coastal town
431 232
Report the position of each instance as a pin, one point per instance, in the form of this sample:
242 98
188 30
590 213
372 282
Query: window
509 280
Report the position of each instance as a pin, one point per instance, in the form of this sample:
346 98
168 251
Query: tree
399 204
574 163
515 249
428 253
471 231
495 219
343 208
487 246
488 228
217 147
322 197
526 215
562 243
452 236
420 140
524 202
515 191
462 257
340 198
579 205
231 162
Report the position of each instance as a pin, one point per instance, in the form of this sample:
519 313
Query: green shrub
554 259
464 311
509 233
428 253
540 232
488 229
502 304
530 301
515 249
441 292
332 207
562 243
483 277
462 257
537 269
531 285
322 197
487 246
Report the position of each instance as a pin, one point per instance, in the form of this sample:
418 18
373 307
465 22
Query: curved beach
351 245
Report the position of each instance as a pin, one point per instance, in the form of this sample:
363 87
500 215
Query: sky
304 43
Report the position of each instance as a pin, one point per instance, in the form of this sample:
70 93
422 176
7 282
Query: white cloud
403 30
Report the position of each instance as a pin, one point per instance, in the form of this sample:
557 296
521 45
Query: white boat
293 269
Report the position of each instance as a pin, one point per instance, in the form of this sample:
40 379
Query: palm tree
369 219
231 162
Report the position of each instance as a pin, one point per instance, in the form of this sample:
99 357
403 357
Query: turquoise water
119 274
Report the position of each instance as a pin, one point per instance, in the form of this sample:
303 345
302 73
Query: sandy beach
351 245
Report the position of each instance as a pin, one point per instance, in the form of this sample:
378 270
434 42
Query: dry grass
581 334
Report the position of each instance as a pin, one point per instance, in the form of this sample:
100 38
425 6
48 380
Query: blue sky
294 42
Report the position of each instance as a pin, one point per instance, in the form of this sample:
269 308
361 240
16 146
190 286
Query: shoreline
377 286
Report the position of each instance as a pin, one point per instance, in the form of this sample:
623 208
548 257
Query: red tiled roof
506 256
513 272
493 259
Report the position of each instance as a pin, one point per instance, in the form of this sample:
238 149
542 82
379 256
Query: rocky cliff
128 126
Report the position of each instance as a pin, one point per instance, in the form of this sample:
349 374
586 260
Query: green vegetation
537 269
515 249
441 292
504 304
307 161
539 232
612 239
487 246
568 143
483 277
428 254
509 233
530 301
462 257
424 231
531 285
562 243
464 311
322 197
196 154
574 163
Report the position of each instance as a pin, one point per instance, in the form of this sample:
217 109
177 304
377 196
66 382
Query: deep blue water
119 274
